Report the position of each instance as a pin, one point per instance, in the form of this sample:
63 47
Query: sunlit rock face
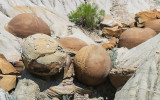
54 13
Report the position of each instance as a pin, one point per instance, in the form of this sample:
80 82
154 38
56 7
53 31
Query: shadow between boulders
44 82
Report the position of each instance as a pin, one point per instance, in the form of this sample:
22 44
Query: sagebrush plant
87 15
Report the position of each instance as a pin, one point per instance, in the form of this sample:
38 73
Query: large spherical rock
26 24
92 65
154 24
72 45
135 36
42 55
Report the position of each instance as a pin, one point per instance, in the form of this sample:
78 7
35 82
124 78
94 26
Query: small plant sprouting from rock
113 55
87 15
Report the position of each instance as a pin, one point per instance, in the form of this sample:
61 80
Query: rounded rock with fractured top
42 55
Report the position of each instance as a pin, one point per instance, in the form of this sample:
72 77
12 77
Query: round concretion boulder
72 45
92 65
26 24
135 36
153 24
42 55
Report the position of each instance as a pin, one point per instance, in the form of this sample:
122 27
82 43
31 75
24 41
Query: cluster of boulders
145 26
45 56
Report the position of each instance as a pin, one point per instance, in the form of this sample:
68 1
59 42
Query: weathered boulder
43 55
153 24
135 36
71 45
92 65
26 24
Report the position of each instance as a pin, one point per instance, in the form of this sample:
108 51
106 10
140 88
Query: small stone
133 24
112 31
26 24
19 66
119 77
111 44
92 65
7 82
6 67
110 22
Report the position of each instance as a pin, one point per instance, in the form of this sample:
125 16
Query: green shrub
87 15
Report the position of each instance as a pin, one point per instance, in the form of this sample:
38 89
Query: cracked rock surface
43 55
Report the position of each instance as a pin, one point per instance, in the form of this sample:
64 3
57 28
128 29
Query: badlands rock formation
54 13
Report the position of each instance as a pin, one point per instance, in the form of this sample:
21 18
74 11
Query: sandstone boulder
71 45
153 24
26 24
135 36
42 55
92 65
